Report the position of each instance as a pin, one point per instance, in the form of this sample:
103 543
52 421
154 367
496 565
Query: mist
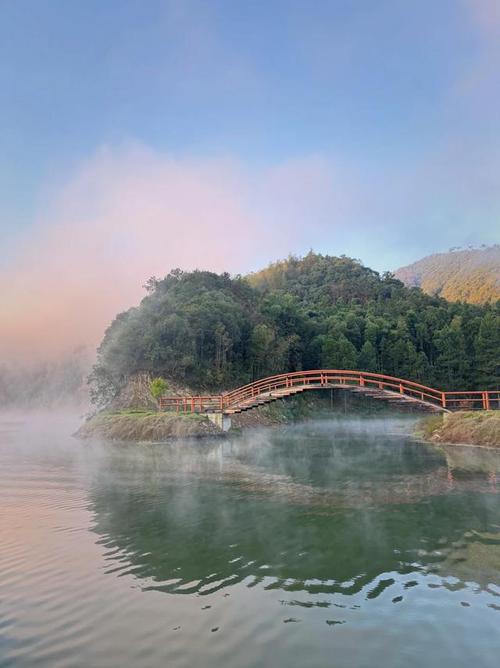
53 385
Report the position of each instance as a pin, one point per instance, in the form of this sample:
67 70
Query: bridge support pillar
220 420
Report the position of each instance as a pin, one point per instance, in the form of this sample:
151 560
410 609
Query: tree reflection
301 510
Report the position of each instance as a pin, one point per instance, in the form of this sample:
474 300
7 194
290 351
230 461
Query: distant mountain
471 276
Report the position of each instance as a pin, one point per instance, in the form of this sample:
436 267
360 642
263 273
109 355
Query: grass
146 425
132 412
464 427
428 426
143 413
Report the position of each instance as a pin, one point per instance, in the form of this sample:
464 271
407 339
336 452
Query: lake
341 542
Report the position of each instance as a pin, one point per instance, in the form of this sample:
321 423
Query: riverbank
463 428
146 426
143 423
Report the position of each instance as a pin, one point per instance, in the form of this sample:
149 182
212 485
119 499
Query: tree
487 346
367 357
261 349
451 363
339 353
158 387
103 386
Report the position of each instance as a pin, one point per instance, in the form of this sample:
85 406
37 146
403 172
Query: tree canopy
213 332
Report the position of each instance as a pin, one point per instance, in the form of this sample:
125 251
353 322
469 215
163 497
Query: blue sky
365 127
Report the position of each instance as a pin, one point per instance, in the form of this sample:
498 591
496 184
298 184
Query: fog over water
285 546
49 385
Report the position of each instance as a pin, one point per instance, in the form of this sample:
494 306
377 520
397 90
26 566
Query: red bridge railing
485 400
480 400
201 404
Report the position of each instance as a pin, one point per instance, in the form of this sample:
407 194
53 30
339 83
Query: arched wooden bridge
375 385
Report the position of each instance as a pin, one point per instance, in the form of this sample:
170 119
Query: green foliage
338 353
213 332
487 352
158 387
367 359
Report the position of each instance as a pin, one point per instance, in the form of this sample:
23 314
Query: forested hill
461 275
214 332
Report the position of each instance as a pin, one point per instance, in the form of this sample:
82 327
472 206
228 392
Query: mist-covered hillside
213 332
471 275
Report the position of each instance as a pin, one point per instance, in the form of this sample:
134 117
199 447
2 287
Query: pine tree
451 363
367 357
487 348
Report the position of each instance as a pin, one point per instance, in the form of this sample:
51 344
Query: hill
471 276
213 332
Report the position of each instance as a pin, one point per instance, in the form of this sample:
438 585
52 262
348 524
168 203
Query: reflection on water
275 547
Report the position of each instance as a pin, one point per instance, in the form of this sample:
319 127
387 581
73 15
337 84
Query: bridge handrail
238 393
473 392
333 372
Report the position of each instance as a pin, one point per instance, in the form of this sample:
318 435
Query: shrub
158 387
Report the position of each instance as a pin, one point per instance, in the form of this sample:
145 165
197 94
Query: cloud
486 14
129 213
476 95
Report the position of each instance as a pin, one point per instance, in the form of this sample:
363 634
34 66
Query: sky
142 135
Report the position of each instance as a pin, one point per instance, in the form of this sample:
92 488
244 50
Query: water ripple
246 553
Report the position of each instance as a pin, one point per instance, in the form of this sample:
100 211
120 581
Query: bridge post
220 420
486 401
443 399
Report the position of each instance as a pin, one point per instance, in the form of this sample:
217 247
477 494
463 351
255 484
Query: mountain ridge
469 275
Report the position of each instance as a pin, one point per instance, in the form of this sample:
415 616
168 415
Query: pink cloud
127 214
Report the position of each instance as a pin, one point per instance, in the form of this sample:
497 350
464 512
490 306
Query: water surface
333 543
